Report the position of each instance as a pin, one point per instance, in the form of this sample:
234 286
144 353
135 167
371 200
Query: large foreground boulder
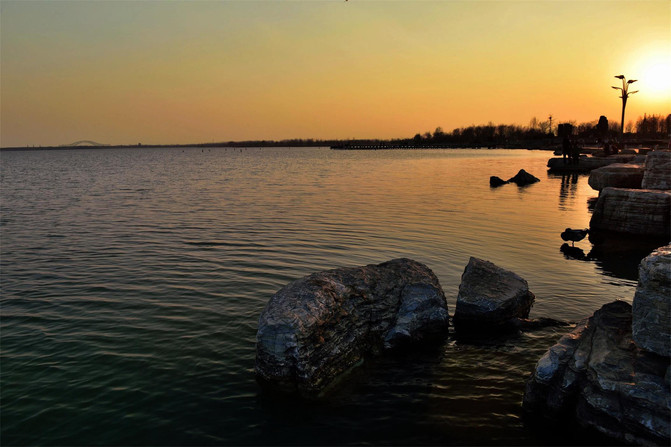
316 328
618 175
651 327
634 211
597 376
490 297
657 170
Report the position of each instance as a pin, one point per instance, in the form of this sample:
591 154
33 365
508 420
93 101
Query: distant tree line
539 133
654 126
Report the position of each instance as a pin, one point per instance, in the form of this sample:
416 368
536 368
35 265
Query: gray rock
523 178
318 327
618 175
490 296
639 159
634 211
651 326
657 170
596 376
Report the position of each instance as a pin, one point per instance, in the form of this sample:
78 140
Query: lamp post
625 94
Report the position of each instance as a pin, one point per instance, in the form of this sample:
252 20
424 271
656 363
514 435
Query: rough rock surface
586 164
618 175
657 170
490 296
634 211
639 159
523 178
598 376
495 181
318 327
651 326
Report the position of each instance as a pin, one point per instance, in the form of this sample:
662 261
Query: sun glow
654 76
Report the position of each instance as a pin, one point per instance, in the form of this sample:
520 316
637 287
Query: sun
654 75
658 76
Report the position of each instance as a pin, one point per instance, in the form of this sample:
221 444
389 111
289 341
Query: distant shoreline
543 145
353 147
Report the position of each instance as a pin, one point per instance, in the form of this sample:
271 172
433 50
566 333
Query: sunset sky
123 72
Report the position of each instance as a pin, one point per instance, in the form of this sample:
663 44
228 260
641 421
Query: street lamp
625 94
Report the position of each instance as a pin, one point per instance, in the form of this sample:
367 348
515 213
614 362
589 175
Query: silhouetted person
575 153
566 148
606 148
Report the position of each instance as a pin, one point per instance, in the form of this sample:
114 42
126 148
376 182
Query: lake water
132 282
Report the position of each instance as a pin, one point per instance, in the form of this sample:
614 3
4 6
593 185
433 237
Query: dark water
132 281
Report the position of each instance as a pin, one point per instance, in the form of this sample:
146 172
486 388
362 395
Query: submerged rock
495 181
316 328
597 376
618 175
490 297
633 211
523 178
657 170
651 327
525 324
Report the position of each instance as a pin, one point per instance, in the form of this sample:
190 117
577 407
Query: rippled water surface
132 281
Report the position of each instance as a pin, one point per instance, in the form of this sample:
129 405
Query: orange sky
123 72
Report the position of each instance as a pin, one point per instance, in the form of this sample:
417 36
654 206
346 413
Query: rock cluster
648 172
633 211
598 376
490 297
618 175
522 178
657 170
626 208
612 371
651 328
318 327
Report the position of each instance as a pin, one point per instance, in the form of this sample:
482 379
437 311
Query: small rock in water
490 297
495 181
523 178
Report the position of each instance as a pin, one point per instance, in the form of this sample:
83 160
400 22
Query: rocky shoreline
634 199
317 328
611 373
